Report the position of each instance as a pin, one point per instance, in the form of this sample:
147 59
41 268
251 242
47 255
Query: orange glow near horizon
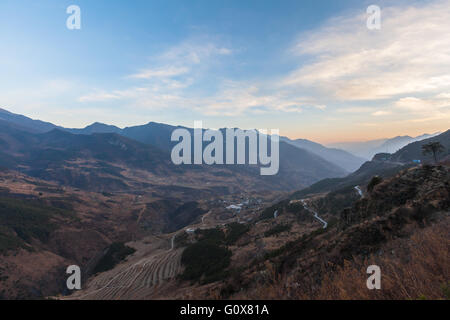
341 135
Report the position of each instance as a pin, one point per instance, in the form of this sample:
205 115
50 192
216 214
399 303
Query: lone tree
433 148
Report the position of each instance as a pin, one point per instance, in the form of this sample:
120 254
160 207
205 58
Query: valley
98 220
273 251
141 227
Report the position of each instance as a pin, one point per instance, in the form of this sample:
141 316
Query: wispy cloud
381 113
160 73
163 81
410 54
237 98
426 109
166 84
99 96
402 70
355 110
194 51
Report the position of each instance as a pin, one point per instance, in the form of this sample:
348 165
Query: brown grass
413 268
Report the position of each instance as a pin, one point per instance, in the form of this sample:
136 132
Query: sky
312 69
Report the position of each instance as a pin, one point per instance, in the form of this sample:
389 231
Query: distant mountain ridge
158 135
413 151
383 165
342 158
301 160
25 122
96 127
367 149
84 157
292 157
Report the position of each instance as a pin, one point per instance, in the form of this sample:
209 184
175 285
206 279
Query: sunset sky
309 68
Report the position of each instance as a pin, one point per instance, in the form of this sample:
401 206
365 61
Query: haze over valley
224 150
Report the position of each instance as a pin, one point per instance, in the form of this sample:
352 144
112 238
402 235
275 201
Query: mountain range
98 155
383 165
367 149
340 157
158 135
44 150
111 201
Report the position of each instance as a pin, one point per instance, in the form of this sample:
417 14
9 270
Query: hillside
44 228
402 226
292 256
367 149
413 151
111 201
59 155
341 158
53 226
383 165
360 177
26 123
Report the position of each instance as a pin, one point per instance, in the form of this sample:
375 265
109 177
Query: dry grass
413 268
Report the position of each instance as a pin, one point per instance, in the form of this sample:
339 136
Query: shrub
419 269
181 240
234 232
117 252
268 212
277 230
213 236
373 182
205 261
23 220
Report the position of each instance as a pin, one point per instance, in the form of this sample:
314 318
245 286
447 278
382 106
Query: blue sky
309 68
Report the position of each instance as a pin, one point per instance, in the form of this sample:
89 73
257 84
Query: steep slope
92 162
298 167
110 162
383 165
413 151
303 163
367 149
25 122
295 163
96 128
381 228
361 176
291 255
341 158
153 133
44 228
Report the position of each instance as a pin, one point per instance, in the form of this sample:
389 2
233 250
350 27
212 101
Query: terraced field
134 280
152 269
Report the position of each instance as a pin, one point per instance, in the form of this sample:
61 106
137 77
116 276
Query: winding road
357 188
316 215
172 242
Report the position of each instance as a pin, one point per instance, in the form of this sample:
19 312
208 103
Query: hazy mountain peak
339 157
23 121
4 111
367 149
100 125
